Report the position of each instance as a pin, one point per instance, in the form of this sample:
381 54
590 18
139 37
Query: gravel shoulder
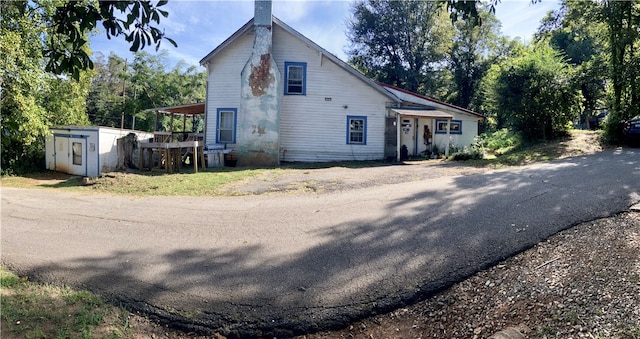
583 282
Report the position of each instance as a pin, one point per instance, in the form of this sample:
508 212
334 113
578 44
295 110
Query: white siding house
85 150
325 110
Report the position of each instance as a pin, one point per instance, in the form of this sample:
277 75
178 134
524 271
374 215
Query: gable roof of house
397 95
307 41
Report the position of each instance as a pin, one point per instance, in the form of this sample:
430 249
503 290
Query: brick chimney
259 116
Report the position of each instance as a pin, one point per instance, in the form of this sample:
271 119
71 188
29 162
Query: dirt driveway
344 177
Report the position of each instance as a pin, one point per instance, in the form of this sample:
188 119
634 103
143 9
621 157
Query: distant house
273 95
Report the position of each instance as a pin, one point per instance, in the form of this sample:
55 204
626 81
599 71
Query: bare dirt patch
351 176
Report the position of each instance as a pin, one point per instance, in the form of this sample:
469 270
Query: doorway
71 155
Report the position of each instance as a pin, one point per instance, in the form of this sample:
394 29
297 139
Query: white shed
85 150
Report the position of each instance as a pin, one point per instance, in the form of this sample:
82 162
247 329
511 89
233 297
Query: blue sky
200 26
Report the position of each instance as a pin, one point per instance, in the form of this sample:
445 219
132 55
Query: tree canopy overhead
401 43
66 24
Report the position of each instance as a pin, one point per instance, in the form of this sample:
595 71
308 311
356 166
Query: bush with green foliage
532 93
501 140
475 152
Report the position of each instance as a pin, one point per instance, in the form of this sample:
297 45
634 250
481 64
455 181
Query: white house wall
469 132
313 127
223 81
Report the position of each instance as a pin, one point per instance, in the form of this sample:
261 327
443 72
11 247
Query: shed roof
415 98
190 109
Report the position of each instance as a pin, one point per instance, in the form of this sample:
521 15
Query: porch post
446 148
397 136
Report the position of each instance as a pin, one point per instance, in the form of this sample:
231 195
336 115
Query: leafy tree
475 48
622 19
68 22
31 99
154 86
532 93
402 43
45 58
571 31
146 84
105 100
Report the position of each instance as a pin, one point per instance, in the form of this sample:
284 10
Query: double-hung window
356 130
226 125
456 127
295 78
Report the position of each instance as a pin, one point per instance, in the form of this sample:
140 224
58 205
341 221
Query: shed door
71 155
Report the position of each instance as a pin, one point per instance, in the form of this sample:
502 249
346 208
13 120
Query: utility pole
124 93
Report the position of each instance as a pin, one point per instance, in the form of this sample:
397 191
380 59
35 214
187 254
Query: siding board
311 128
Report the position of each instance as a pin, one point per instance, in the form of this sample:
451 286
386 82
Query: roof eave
436 103
241 31
312 44
336 60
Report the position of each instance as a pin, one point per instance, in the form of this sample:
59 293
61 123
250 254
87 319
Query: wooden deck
172 154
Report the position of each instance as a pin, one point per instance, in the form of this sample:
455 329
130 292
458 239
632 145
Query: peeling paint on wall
259 115
261 78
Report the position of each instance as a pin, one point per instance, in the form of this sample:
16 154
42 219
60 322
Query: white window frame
354 129
232 128
441 127
300 82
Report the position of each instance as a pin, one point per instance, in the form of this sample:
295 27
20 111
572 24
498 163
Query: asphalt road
290 264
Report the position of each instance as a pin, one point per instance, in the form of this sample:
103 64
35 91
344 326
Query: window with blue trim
226 133
295 78
356 130
456 127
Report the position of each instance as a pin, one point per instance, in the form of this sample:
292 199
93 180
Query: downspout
206 104
398 137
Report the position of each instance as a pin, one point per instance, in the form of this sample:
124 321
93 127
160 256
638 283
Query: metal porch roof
191 109
423 113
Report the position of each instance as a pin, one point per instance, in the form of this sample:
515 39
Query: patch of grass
516 157
32 310
501 141
204 183
514 152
